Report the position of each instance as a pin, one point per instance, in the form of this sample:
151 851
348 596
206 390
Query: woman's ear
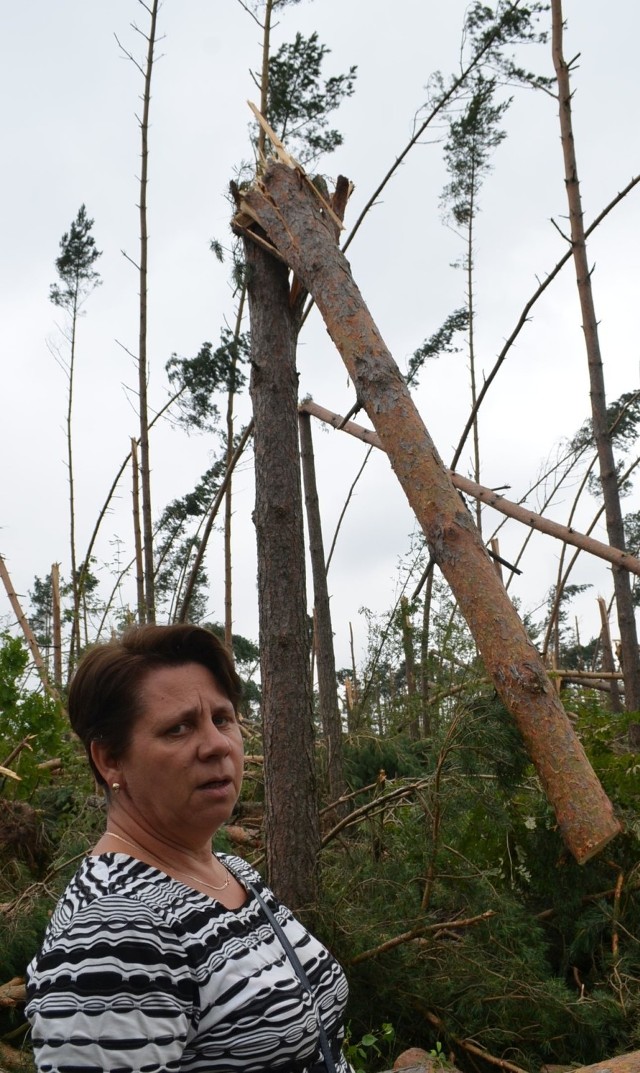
105 763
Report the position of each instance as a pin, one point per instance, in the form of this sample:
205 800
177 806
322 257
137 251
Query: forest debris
9 774
13 992
50 765
241 836
624 1063
14 1061
291 217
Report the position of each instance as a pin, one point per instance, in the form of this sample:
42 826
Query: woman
160 954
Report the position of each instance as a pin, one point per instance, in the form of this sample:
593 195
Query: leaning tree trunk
330 717
299 228
291 809
630 657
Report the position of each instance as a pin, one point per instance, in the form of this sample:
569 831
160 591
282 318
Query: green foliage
491 30
368 1051
506 939
441 342
300 102
247 658
472 138
75 265
198 379
31 722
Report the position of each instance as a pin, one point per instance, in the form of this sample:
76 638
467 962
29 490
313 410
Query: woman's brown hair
104 698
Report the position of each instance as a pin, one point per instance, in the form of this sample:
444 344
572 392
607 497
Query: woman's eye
177 729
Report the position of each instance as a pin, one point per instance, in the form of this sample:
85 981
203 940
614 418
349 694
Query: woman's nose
212 740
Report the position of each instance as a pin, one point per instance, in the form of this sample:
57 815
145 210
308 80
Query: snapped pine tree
283 212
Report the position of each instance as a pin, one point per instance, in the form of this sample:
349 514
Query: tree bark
624 1063
299 226
291 809
600 418
330 717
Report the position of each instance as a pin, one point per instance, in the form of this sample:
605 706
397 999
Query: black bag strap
301 974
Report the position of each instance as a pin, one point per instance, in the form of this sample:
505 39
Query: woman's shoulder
106 885
241 869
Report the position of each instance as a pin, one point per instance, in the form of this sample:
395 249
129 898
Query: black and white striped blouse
141 973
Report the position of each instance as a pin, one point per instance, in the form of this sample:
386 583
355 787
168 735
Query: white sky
70 136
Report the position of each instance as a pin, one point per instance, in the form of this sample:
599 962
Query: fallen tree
285 214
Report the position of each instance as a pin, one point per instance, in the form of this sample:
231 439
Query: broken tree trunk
299 230
608 664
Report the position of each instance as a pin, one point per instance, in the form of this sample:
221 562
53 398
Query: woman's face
182 771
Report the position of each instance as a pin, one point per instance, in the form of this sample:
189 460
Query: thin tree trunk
424 658
143 369
298 224
354 710
608 664
213 513
291 807
330 717
74 647
264 75
600 420
137 535
410 668
228 498
472 354
56 625
28 633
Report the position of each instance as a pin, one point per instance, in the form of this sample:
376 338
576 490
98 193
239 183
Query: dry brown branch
347 797
24 744
522 514
377 804
472 1048
7 773
418 932
42 885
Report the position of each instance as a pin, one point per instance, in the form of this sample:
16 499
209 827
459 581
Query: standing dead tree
284 206
330 717
599 415
143 372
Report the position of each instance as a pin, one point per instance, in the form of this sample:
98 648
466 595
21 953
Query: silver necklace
187 875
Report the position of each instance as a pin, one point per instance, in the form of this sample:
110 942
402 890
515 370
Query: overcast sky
70 137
